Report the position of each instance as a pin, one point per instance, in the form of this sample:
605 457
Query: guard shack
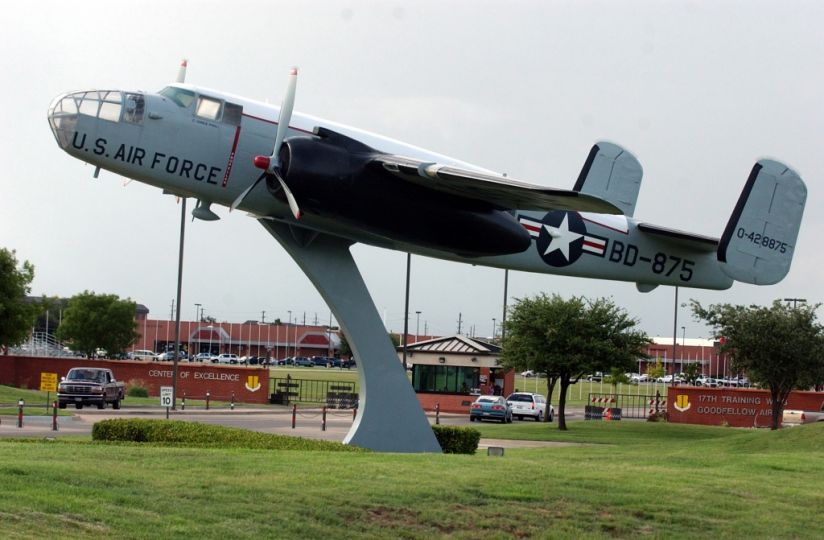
452 371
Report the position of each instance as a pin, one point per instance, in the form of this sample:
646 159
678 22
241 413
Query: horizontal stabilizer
613 174
682 239
759 242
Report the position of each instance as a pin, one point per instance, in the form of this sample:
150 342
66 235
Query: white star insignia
562 237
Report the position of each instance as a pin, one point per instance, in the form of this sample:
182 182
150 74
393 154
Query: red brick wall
449 402
743 407
194 379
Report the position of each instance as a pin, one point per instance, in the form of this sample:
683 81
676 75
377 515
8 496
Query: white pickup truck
794 417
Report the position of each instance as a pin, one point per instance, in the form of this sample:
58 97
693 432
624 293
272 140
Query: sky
698 91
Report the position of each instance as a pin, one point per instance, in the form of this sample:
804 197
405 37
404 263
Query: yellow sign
48 382
682 402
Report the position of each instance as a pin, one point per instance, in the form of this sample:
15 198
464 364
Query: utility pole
796 301
172 311
417 325
503 319
263 316
460 322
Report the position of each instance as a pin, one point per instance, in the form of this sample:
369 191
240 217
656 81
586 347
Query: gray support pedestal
390 418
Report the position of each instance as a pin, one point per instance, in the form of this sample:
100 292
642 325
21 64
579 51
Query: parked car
284 361
707 381
204 357
168 356
226 358
598 376
492 408
302 361
320 361
528 373
141 355
528 404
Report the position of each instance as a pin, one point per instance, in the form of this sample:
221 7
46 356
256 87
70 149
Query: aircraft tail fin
613 174
759 241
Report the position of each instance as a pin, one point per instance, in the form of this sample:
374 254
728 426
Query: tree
16 313
691 372
780 347
98 321
565 339
657 371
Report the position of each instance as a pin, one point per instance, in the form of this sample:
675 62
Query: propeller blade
293 204
246 192
285 114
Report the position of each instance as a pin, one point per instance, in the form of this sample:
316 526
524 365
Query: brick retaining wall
249 384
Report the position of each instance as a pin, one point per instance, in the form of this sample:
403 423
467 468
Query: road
308 422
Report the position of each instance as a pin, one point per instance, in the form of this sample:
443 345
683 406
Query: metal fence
623 405
333 394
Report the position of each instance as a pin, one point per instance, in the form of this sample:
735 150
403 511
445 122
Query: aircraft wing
490 188
687 240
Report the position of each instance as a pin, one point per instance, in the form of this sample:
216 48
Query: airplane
327 186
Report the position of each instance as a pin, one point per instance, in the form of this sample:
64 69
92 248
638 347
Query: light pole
674 331
288 324
417 325
406 309
493 328
683 345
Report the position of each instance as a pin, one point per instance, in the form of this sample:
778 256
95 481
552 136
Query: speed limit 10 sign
166 396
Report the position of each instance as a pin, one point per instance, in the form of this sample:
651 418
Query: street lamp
417 325
683 346
493 328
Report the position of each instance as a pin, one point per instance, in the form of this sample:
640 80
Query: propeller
271 164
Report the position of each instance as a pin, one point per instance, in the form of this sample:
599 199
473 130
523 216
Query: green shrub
137 388
175 432
457 440
137 391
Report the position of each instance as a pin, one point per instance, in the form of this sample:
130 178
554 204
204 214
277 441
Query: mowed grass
630 479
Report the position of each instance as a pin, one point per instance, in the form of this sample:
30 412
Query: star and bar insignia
561 237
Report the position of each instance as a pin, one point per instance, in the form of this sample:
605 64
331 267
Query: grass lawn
632 479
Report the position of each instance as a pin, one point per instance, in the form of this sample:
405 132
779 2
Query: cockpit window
135 105
232 114
181 97
104 104
208 108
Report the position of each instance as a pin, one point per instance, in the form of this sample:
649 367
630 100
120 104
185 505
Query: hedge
179 433
457 440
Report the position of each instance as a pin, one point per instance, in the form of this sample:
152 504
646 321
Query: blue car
301 361
491 408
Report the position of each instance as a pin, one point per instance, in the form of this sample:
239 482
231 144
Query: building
451 371
271 340
705 352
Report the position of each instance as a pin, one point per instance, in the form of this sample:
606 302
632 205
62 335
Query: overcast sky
698 91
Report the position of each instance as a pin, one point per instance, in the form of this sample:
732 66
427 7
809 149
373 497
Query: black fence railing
619 406
333 394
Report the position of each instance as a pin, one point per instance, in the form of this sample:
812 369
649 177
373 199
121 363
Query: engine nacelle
332 175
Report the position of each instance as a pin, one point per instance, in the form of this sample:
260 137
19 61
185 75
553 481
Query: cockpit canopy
110 105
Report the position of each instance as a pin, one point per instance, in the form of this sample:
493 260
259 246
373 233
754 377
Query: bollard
323 422
183 402
207 401
294 415
437 414
54 416
232 404
20 404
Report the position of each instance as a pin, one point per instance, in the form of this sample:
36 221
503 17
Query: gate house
452 371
